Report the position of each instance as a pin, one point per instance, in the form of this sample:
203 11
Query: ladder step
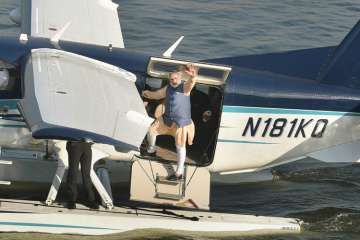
163 180
169 196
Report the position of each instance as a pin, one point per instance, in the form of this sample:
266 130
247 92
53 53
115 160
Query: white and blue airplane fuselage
267 118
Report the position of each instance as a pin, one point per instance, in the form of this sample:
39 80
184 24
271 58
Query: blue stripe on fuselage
241 141
11 104
12 126
243 109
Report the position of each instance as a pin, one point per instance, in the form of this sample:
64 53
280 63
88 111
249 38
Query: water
234 27
327 198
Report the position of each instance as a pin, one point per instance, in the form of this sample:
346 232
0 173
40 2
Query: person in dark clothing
80 152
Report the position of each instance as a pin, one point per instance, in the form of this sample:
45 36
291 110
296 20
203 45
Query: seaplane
68 76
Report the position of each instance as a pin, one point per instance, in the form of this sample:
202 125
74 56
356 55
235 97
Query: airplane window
154 83
166 67
10 82
212 73
4 79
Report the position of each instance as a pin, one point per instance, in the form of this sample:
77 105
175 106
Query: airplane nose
15 15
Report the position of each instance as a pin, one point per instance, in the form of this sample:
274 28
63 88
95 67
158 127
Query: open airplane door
149 178
71 97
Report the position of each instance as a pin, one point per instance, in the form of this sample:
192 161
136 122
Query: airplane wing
71 97
86 21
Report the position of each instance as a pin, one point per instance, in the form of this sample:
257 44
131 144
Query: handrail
201 78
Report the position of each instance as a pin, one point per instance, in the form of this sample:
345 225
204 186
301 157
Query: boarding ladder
149 184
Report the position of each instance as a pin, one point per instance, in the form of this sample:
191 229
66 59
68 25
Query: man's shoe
93 205
174 177
71 205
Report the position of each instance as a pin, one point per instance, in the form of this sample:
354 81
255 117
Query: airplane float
69 77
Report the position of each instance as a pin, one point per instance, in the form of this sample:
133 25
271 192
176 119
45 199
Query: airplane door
206 102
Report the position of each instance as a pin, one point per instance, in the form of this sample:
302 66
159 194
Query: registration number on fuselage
278 127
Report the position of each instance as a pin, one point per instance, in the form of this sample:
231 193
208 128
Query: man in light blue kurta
176 120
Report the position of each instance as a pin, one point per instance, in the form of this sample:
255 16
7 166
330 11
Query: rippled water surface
327 198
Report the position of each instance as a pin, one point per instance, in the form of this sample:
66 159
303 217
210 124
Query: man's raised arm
190 83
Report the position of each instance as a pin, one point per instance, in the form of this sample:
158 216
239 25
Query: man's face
175 79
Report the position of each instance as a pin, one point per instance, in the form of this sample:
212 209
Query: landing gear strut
63 164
